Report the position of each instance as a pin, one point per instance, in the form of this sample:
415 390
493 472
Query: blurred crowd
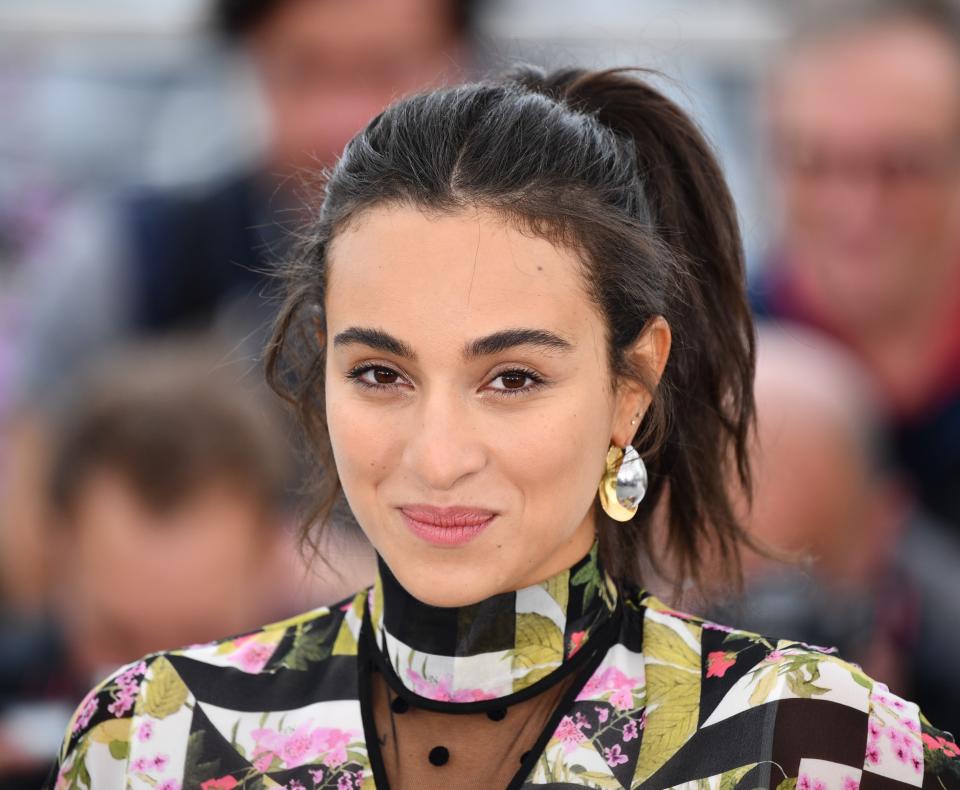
149 486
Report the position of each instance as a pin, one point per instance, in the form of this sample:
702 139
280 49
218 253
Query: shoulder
821 720
151 701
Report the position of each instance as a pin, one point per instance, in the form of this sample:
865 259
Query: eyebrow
483 346
375 338
511 338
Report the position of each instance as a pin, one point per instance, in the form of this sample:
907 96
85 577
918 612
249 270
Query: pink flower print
123 701
930 742
569 734
614 756
602 714
576 640
345 782
622 699
333 743
160 762
874 728
912 725
317 775
168 784
145 731
221 783
253 656
296 747
774 655
90 704
442 690
902 752
293 784
894 736
803 783
819 785
917 764
140 765
849 783
262 763
718 662
630 731
873 754
949 747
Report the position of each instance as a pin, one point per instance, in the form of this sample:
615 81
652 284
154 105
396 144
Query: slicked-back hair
603 162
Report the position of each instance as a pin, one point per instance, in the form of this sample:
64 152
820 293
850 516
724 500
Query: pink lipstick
446 526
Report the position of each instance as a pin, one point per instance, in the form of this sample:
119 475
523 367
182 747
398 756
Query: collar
496 648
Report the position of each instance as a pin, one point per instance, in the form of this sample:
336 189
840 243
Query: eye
375 376
515 382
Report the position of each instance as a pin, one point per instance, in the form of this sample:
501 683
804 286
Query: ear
648 353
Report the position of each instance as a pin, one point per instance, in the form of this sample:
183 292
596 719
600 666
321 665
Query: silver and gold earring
623 484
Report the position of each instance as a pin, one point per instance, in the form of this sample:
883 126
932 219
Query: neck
494 648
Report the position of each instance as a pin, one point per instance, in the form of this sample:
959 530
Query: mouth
446 526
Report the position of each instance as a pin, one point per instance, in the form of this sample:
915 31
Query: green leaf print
790 783
539 648
804 688
588 577
119 750
664 644
307 648
765 680
673 696
196 770
730 779
166 692
673 709
558 588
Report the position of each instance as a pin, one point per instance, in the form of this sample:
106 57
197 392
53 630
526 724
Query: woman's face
469 399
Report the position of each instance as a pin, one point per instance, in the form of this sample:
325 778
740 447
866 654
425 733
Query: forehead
340 28
453 277
859 84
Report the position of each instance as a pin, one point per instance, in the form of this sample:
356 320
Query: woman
517 334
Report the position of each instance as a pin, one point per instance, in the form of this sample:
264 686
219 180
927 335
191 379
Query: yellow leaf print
113 730
166 692
766 680
664 644
538 651
673 696
558 588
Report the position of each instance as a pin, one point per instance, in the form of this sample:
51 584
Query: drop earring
623 483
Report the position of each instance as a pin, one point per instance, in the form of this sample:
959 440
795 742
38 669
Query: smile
450 526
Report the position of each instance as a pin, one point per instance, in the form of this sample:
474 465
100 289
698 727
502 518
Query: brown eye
384 376
513 381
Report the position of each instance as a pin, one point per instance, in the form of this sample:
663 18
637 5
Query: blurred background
152 160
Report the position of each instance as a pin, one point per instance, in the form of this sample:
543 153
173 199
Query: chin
445 585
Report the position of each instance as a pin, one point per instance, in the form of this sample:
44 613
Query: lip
446 526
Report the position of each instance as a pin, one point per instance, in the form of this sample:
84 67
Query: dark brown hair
170 419
602 162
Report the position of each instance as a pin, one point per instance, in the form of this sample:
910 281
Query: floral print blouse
651 698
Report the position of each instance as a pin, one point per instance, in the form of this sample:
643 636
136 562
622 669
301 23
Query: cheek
364 439
554 459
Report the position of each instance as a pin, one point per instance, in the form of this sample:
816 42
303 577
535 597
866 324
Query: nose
443 448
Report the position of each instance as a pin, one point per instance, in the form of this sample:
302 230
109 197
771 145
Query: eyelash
356 373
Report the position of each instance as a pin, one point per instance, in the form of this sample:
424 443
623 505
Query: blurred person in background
864 119
858 573
168 525
201 256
